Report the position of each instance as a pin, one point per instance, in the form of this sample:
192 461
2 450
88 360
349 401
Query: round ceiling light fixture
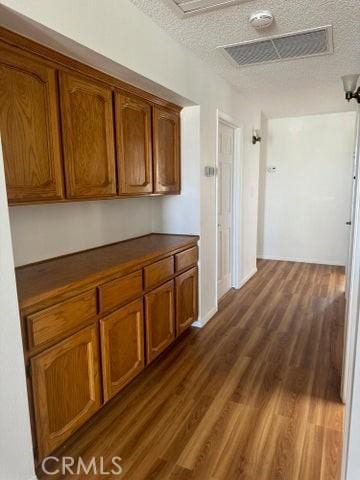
261 19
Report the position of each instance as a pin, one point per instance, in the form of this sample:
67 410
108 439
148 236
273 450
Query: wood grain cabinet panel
159 319
29 128
166 146
158 272
59 320
66 388
120 291
186 259
88 137
122 346
186 291
134 144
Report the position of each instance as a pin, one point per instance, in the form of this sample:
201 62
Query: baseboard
204 320
247 278
318 261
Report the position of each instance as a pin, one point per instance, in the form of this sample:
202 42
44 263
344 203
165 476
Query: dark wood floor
254 395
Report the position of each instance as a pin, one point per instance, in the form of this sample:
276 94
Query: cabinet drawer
55 322
186 259
120 291
159 272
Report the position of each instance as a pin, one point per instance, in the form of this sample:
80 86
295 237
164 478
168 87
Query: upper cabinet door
133 139
166 131
88 136
29 128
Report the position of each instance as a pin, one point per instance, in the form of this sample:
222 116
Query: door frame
352 291
351 365
237 189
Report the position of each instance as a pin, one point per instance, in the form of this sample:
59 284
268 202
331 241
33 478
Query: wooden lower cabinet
186 291
122 347
160 321
87 343
66 388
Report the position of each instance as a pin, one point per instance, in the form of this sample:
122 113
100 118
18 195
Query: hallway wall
306 201
16 454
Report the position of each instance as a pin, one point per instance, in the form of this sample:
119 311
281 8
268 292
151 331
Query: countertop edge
101 276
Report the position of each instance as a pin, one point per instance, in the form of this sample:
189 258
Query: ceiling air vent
191 7
303 44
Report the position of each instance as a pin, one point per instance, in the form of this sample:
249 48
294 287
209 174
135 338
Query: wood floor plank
211 451
331 465
255 395
312 454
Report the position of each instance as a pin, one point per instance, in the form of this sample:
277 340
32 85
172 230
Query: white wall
16 457
181 214
306 202
45 231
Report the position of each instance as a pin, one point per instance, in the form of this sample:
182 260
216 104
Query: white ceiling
293 87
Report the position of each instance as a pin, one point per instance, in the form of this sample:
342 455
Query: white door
224 195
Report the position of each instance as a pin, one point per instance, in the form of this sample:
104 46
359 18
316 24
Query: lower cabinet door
186 286
66 388
160 321
122 347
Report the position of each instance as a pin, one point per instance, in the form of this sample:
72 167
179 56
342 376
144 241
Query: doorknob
348 223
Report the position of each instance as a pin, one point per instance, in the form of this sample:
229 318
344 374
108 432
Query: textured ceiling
312 84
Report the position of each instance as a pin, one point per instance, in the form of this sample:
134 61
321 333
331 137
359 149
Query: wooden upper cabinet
159 318
166 147
72 133
122 347
29 128
134 144
88 137
66 388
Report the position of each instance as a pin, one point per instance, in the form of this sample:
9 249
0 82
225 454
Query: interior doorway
226 149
